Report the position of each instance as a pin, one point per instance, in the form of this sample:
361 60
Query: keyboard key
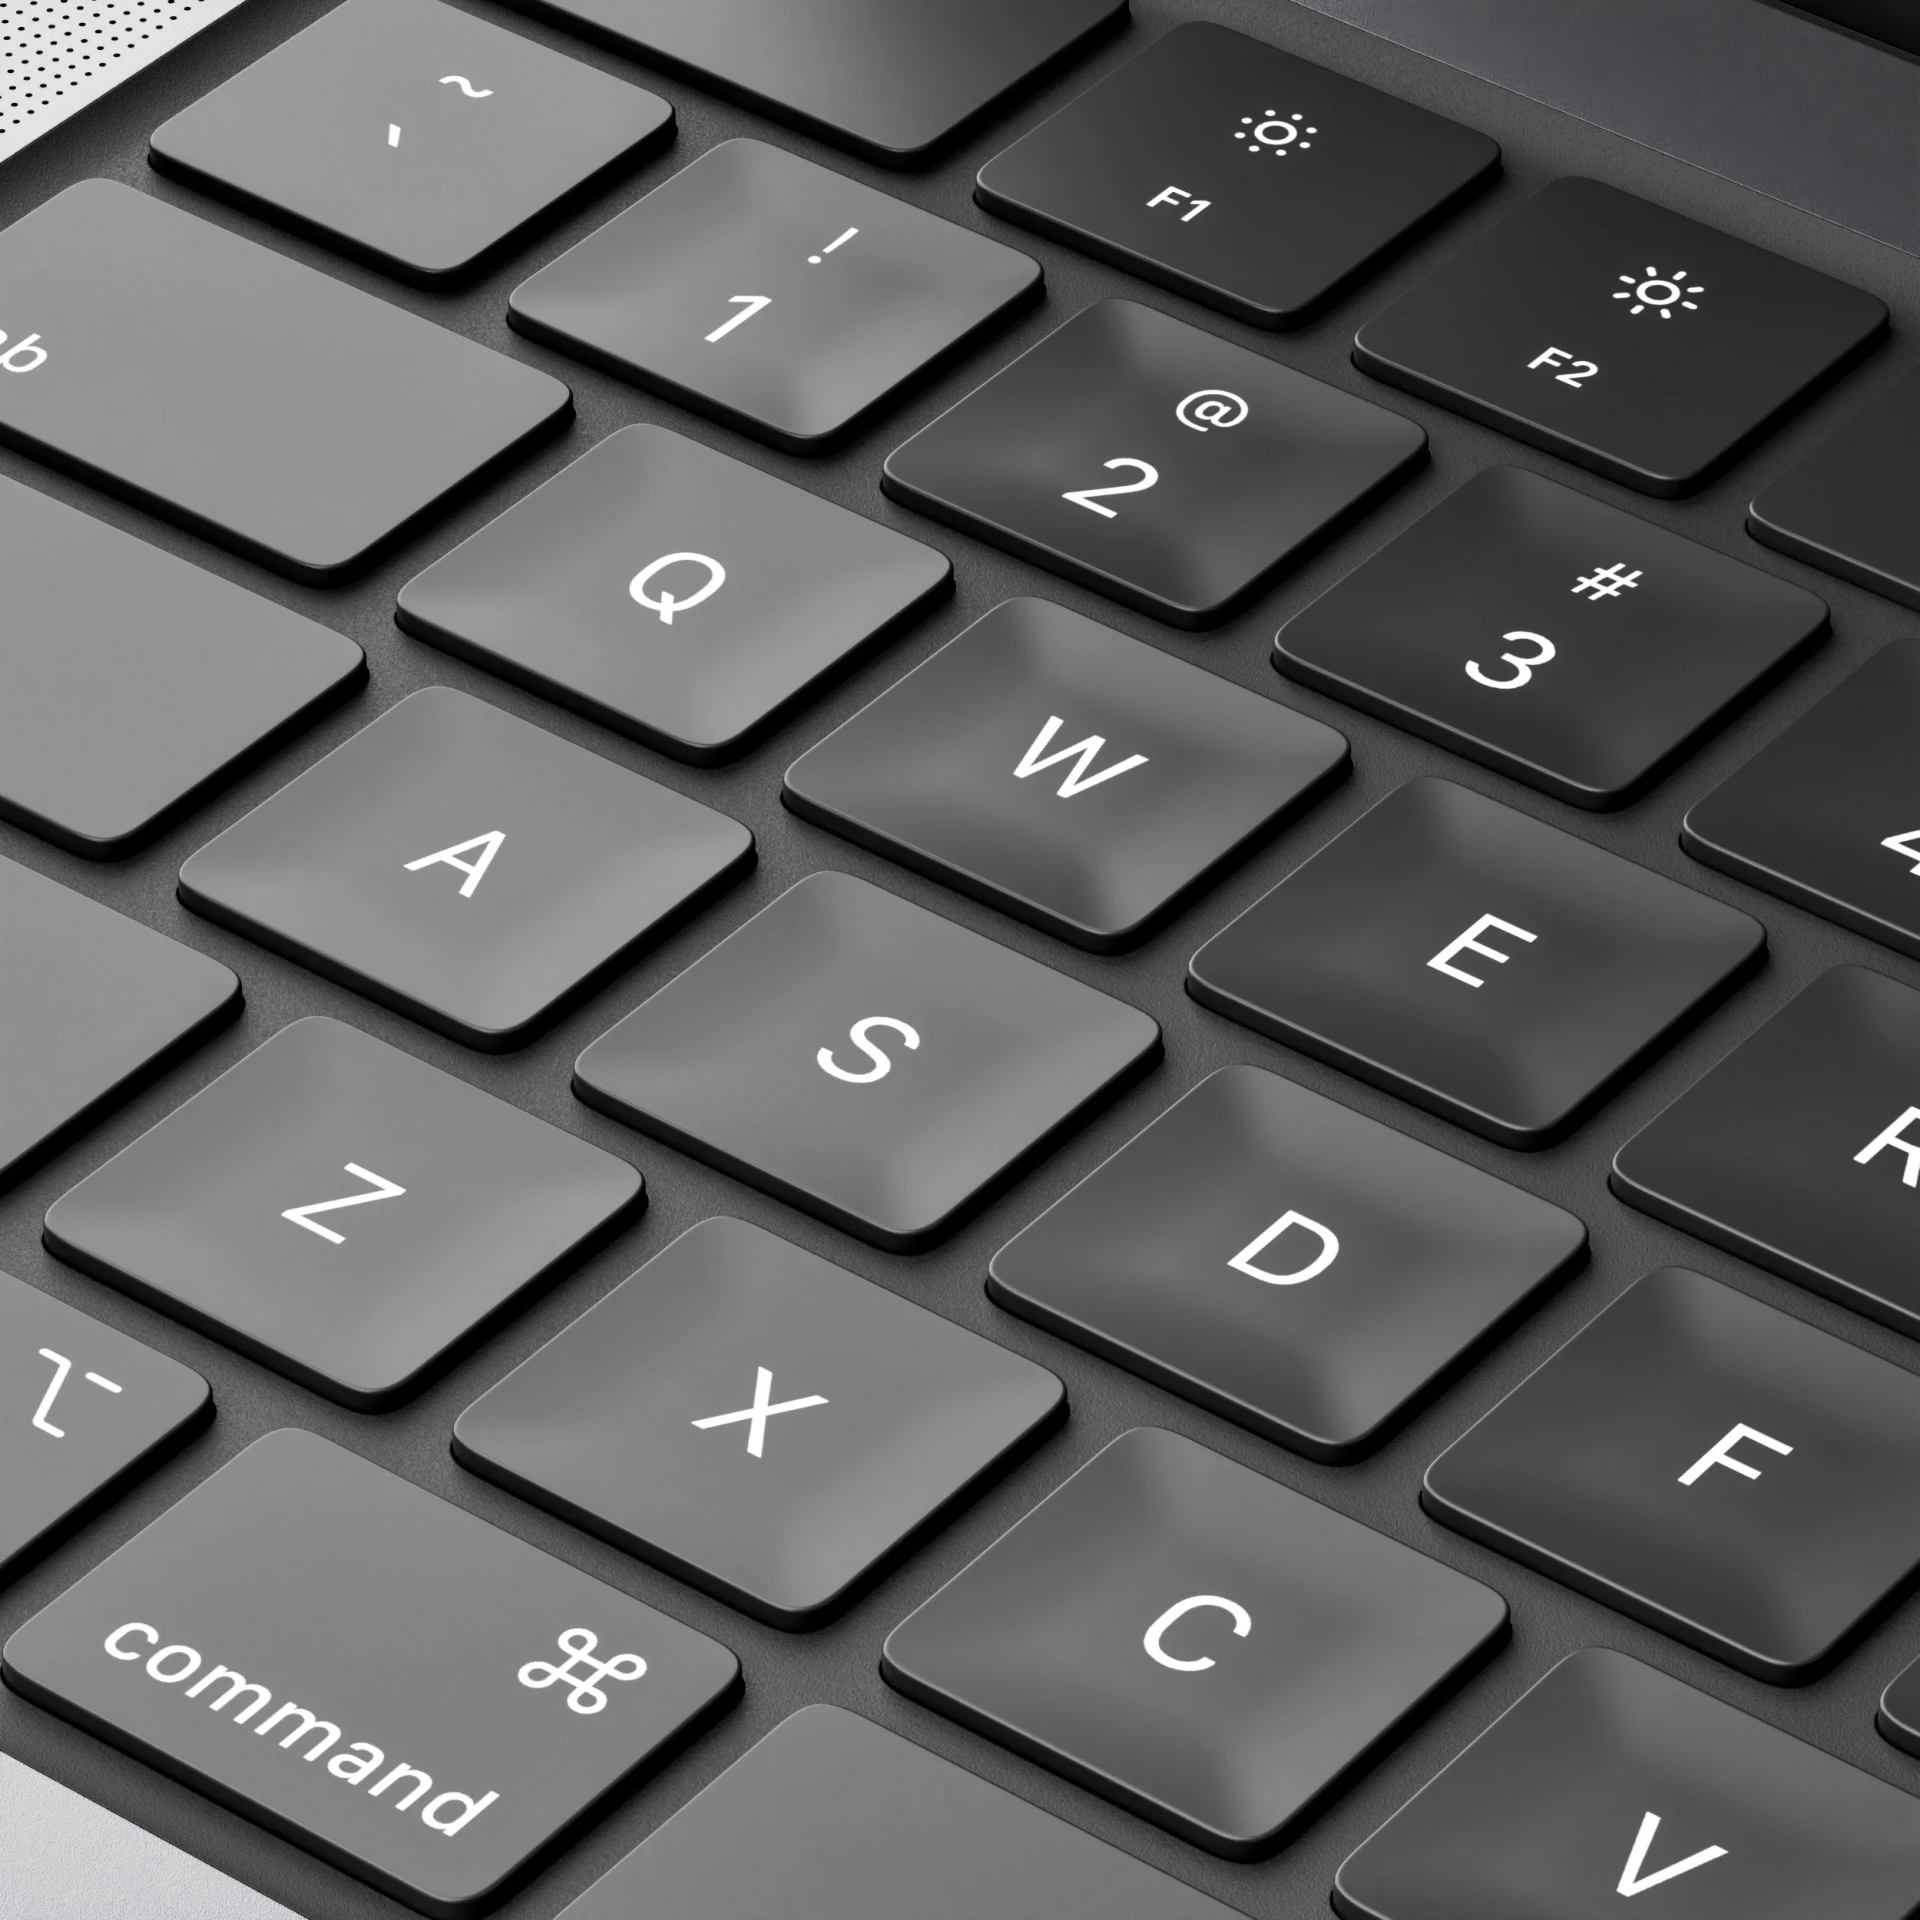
477 872
1287 1263
259 403
1620 336
343 1212
86 1411
1208 1648
1801 1149
1074 778
894 80
683 598
853 295
861 1058
1147 170
847 1821
1165 467
1899 1716
93 1007
132 684
1608 1781
759 1422
479 137
1551 636
1477 962
371 1673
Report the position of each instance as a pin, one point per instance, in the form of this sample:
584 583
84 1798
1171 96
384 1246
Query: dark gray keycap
261 404
833 1818
343 1211
132 684
1898 1717
1169 469
1148 169
1621 336
372 1674
1801 1149
684 598
1707 1464
1609 1782
84 1411
759 1422
473 870
1209 1648
1285 1262
1552 636
1074 778
409 134
774 294
93 1007
1477 962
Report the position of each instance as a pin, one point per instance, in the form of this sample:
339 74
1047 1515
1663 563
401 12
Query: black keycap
776 295
833 1818
242 1212
1070 776
1477 962
684 598
85 1412
1166 467
1610 1782
371 1673
866 1060
1801 1149
894 80
1707 1464
473 870
1148 170
405 133
1621 336
1210 1649
1554 637
93 1007
132 684
1285 1262
755 1420
261 404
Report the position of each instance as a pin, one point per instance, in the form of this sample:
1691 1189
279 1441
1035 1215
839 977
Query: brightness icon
1657 292
1276 134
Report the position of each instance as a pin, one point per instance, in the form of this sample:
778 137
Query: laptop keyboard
933 982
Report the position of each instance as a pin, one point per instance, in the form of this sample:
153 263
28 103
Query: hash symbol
582 1673
1604 583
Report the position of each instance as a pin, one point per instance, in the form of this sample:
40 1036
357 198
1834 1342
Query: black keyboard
956 960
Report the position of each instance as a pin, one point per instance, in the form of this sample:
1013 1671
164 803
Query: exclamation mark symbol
814 259
393 135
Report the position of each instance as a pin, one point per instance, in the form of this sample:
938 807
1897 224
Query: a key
848 1821
759 1422
864 1059
1165 467
1477 962
85 1412
1609 1782
776 295
343 1212
682 597
1800 1151
467 867
1827 815
132 685
896 81
1074 778
371 1673
408 134
1148 170
1286 1262
1551 636
1898 1717
1621 336
1208 1648
259 403
93 1007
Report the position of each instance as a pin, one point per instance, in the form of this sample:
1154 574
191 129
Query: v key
1631 1881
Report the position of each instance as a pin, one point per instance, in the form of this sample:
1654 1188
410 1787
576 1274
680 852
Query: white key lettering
882 1065
1631 1881
1083 753
1720 1454
475 870
764 1408
1243 1261
382 1190
1894 1137
1091 497
1242 1626
1470 942
1542 652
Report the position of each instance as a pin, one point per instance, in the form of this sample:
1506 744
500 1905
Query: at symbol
1210 407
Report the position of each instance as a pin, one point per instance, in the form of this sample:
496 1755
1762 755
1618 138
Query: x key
761 1411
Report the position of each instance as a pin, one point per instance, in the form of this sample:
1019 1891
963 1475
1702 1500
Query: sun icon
1657 292
1276 133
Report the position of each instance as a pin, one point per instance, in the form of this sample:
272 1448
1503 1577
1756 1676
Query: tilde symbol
582 1673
